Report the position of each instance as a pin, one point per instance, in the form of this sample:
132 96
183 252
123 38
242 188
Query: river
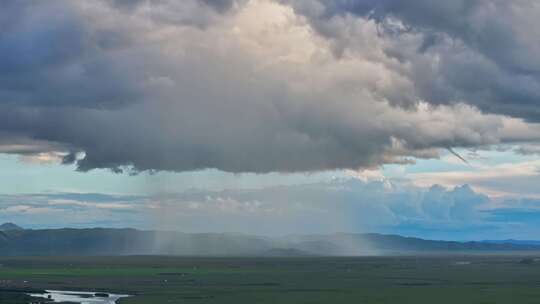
79 297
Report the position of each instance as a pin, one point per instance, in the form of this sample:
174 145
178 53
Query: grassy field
156 280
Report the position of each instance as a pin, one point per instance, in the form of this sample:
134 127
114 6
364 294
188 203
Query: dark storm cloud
247 86
487 48
220 5
50 57
127 4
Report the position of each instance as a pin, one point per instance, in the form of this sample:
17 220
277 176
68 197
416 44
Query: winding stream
78 297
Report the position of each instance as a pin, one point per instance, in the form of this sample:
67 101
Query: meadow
154 280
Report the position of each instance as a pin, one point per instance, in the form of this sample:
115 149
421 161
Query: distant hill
360 244
100 241
9 226
516 242
285 252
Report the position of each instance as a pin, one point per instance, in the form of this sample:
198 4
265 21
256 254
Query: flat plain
155 280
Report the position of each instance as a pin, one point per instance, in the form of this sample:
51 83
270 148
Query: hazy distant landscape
159 267
15 240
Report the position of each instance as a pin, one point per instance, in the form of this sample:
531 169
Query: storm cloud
480 52
264 86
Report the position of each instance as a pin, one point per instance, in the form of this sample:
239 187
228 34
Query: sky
272 117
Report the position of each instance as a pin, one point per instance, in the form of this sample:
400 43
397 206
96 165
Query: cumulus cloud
520 180
340 205
261 85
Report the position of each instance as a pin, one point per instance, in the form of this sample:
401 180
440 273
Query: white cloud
340 205
508 179
25 209
90 205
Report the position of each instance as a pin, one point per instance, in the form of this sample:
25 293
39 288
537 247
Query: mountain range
15 240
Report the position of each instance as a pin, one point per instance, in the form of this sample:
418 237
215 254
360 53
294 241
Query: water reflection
80 297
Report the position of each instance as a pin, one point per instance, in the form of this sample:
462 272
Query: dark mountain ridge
512 241
105 241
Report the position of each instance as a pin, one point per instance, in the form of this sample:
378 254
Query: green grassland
155 280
